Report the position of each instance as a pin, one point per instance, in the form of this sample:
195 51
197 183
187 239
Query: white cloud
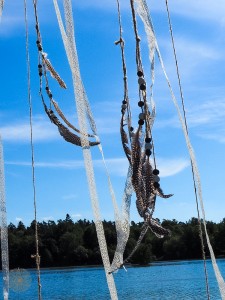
210 112
46 219
201 9
170 167
19 219
74 164
69 197
76 216
116 166
43 130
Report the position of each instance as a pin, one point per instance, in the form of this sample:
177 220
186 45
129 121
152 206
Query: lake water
183 280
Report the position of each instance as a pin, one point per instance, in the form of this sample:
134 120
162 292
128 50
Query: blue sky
60 175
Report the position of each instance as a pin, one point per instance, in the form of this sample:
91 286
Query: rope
192 168
37 256
4 228
148 27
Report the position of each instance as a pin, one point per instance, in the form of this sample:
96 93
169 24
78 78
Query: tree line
67 243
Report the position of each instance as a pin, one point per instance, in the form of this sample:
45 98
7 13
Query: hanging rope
4 228
36 256
192 169
144 15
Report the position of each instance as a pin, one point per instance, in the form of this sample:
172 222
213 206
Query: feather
66 121
64 131
52 71
124 139
157 228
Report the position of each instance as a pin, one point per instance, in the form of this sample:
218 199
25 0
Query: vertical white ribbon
4 228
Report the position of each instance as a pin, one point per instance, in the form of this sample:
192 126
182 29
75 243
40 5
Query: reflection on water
183 280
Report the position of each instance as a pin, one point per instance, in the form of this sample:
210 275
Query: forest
68 243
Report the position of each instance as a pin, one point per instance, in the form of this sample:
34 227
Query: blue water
181 280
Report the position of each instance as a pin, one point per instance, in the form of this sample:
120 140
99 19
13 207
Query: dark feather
64 131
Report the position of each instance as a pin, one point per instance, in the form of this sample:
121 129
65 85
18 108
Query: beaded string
144 116
36 256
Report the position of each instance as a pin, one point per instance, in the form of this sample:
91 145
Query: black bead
40 48
155 172
156 184
39 66
47 88
139 73
124 102
148 152
40 74
131 128
148 140
50 95
141 122
37 42
140 103
36 27
142 87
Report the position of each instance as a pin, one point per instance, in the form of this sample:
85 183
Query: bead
37 42
156 184
141 122
40 48
139 73
124 106
47 88
156 178
131 128
39 66
142 87
148 140
148 152
40 74
124 102
140 103
148 146
155 172
141 80
50 95
141 116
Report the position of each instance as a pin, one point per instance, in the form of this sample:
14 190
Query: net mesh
4 228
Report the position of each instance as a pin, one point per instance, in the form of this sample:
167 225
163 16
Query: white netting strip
123 224
121 221
1 7
4 228
81 102
143 12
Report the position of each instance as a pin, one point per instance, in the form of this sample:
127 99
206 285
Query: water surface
183 280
